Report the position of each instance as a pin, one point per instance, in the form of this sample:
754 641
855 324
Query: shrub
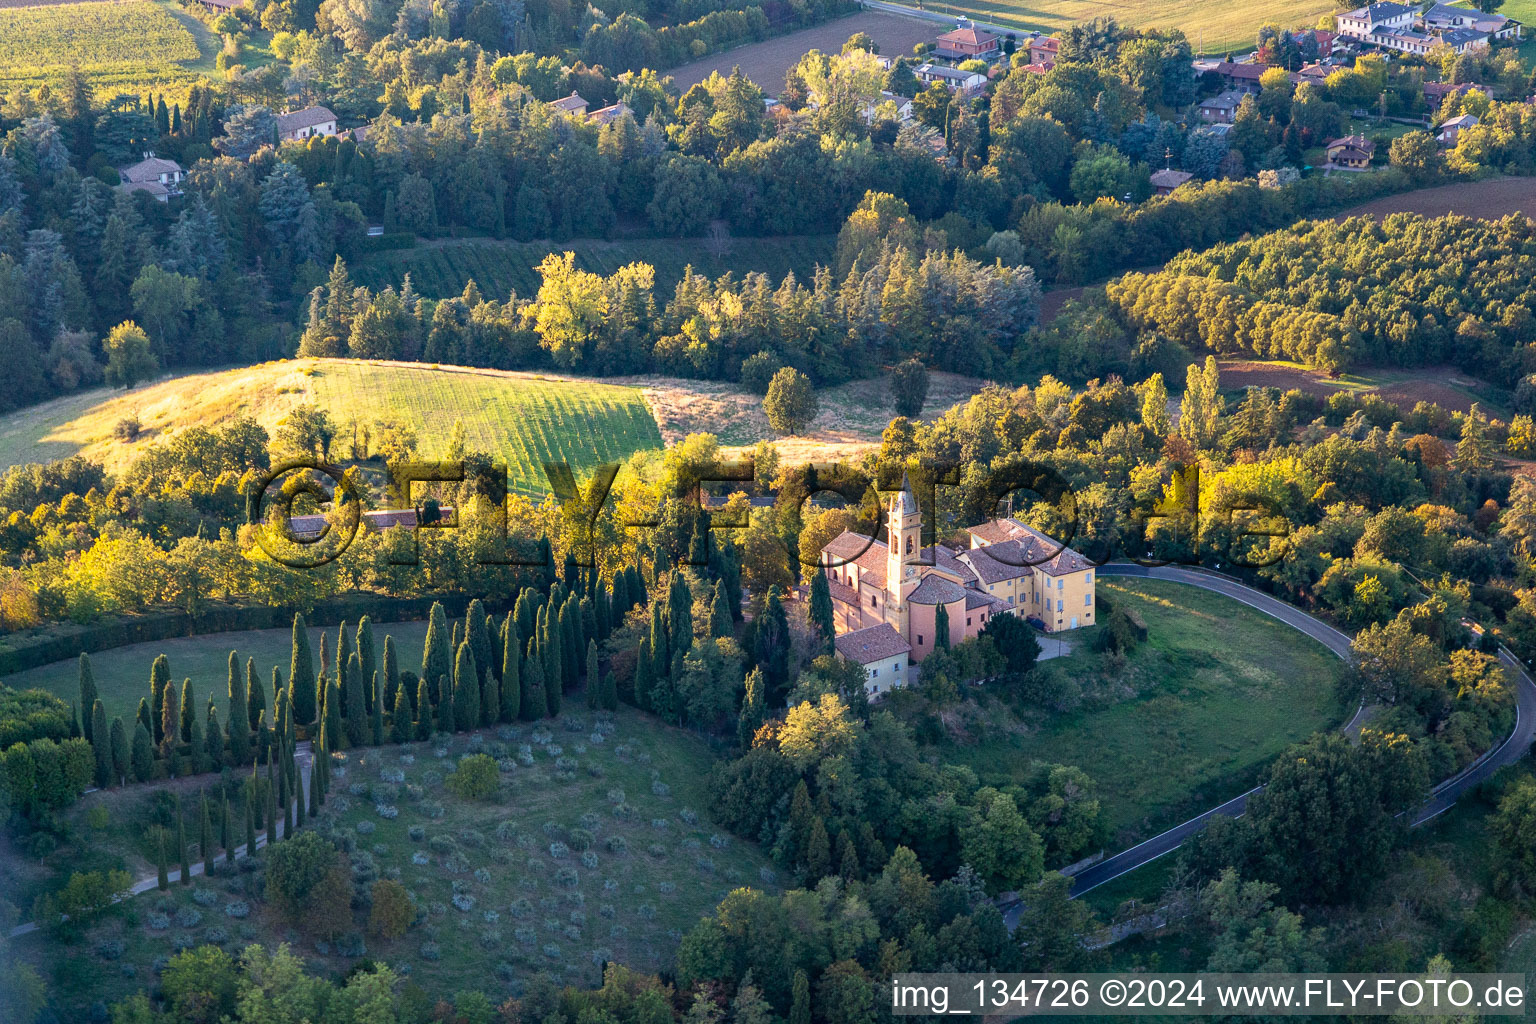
204 897
606 910
365 827
689 816
157 921
431 951
475 778
464 902
395 775
521 907
617 844
420 858
661 789
111 949
392 910
417 833
483 875
216 935
566 876
558 850
187 917
552 951
589 859
666 888
237 909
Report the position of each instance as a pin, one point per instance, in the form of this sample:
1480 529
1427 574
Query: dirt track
767 62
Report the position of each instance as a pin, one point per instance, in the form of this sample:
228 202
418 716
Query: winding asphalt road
1443 795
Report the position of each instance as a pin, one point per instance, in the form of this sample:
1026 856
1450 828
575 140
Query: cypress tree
257 798
447 717
367 654
250 822
534 702
553 661
344 652
820 613
940 628
720 623
391 678
197 746
143 718
601 606
325 673
257 691
280 719
610 699
88 696
511 675
752 709
226 833
159 679
298 798
74 721
142 755
423 711
239 714
594 683
273 835
436 655
170 724
490 695
466 689
475 634
213 738
571 641
661 658
205 839
800 1001
643 675
400 718
121 760
376 714
162 876
818 851
263 739
301 666
456 638
287 801
96 726
679 617
181 844
352 702
333 730
314 788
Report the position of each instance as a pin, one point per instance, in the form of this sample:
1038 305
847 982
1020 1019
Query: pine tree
301 666
102 744
181 844
88 696
594 684
423 711
535 703
205 839
820 614
376 714
847 858
162 876
753 711
159 679
121 759
511 674
239 713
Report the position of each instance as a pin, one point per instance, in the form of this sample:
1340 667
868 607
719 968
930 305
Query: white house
301 124
159 177
967 82
881 651
1361 23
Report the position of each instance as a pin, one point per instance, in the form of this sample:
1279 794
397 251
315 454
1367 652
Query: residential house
1460 40
883 654
967 83
157 176
1448 131
1009 568
1166 180
903 105
1351 153
607 115
967 42
1436 92
1043 50
1241 77
309 527
1442 18
1360 24
573 105
302 124
1222 109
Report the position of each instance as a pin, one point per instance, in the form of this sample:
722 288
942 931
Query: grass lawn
531 898
122 674
1190 719
441 268
1215 25
524 419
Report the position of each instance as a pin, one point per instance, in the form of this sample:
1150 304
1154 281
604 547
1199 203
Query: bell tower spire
904 542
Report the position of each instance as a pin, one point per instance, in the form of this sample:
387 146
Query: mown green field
525 419
1218 25
441 269
1190 718
122 674
598 847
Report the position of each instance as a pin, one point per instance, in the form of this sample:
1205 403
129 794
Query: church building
894 587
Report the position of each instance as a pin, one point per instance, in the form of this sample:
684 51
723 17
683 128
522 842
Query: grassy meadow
122 673
1188 720
522 418
596 847
1217 25
441 269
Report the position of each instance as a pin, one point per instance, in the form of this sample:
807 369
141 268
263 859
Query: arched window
909 545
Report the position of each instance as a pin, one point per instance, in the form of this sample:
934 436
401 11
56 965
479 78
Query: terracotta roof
980 599
605 115
1168 178
990 570
842 592
154 188
936 590
1029 547
309 117
946 560
871 644
1359 142
848 546
969 36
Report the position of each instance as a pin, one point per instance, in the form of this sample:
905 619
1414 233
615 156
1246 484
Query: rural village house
966 43
159 177
301 124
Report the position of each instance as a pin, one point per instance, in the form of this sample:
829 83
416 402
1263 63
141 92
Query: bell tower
904 543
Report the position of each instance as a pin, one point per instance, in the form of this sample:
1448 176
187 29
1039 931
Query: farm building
967 42
301 124
607 115
157 176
